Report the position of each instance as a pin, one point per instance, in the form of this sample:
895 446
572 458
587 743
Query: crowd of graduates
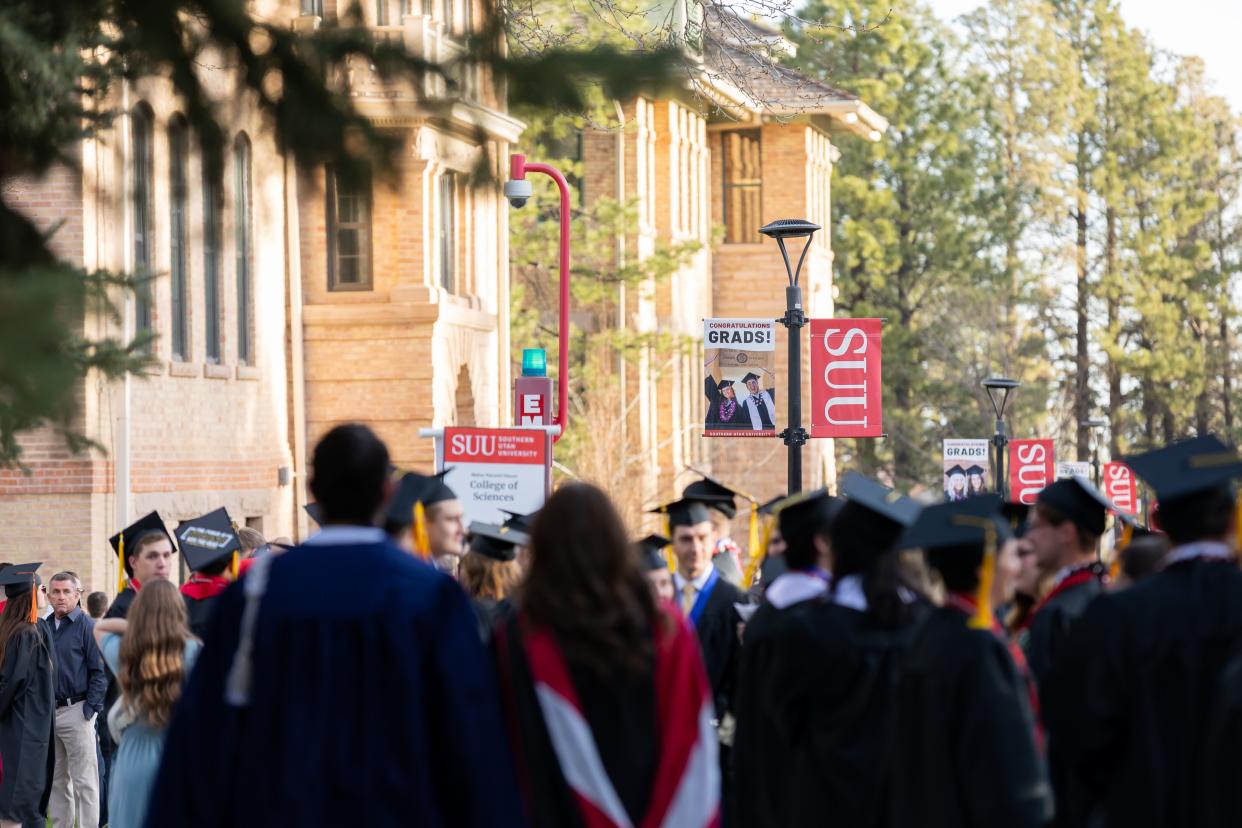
872 662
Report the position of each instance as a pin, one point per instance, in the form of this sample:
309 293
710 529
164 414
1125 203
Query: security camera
518 192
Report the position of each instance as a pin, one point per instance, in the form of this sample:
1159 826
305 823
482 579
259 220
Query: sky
1207 28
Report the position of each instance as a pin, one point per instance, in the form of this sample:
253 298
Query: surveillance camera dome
518 192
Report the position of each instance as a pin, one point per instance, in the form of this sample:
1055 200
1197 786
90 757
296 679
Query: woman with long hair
608 700
151 652
26 699
490 572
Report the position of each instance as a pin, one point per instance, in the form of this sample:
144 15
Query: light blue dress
138 755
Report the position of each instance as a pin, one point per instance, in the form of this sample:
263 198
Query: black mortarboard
400 511
724 383
147 525
1016 514
684 513
772 505
1187 467
975 469
879 499
435 490
750 376
496 542
959 523
954 470
315 512
713 493
804 514
520 522
651 552
1084 505
207 539
19 579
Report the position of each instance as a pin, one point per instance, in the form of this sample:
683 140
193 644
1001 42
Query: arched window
241 238
141 120
178 150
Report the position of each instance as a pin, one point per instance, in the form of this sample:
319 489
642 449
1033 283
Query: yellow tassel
120 573
760 553
983 618
33 615
236 565
422 544
668 533
1114 566
752 533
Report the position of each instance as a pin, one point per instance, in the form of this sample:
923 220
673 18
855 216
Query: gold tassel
120 573
422 544
33 615
761 553
1237 529
236 565
752 533
983 618
668 533
1114 566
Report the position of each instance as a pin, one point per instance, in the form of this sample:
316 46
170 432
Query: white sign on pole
1075 469
491 469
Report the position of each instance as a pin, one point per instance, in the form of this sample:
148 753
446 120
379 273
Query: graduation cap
651 552
684 512
942 525
771 506
954 470
975 469
1016 514
750 376
496 542
20 579
724 383
520 522
435 490
315 512
1082 503
1188 467
208 539
804 514
146 525
880 500
400 511
713 493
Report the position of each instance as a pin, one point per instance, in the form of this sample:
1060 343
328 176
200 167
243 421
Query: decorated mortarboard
750 376
651 552
975 469
1188 467
724 383
315 512
684 512
715 494
960 523
1079 501
950 472
805 513
18 579
879 499
208 539
496 542
519 521
1016 514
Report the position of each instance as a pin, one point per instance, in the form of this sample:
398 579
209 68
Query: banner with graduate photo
739 377
967 469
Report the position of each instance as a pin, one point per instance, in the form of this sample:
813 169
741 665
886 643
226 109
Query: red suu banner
1120 487
846 384
1031 467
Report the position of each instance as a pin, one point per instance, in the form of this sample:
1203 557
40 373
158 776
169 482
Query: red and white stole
687 779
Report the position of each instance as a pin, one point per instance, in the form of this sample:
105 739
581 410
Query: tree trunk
1115 400
1082 379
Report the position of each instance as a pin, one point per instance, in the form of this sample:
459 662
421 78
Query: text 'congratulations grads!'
764 748
211 548
965 752
829 678
1139 704
341 683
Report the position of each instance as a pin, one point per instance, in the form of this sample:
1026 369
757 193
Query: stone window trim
348 214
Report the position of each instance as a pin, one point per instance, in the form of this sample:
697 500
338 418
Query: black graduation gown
373 706
120 605
27 718
761 409
965 753
621 713
490 612
198 612
1051 624
1132 702
715 417
716 629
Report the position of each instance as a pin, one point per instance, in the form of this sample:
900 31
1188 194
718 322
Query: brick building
284 300
744 142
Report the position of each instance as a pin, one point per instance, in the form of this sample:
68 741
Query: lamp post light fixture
794 435
1095 425
1004 387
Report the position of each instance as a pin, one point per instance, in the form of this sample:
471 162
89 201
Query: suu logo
846 378
1031 468
473 445
1119 486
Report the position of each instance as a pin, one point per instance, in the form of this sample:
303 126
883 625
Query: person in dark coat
314 704
1134 704
212 549
761 753
27 697
966 753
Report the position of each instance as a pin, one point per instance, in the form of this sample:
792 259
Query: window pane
211 263
448 232
347 243
177 144
349 270
241 238
349 231
742 189
141 152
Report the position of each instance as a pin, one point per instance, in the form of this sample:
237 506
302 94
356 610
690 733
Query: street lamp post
794 434
1095 425
518 190
995 385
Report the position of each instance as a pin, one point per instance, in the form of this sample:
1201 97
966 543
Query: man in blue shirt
80 686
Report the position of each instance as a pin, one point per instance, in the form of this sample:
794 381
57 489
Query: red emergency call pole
518 190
